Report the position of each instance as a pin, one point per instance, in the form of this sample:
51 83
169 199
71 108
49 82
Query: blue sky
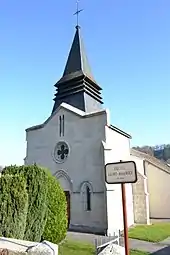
128 45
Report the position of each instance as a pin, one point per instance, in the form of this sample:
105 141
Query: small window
88 201
60 128
61 125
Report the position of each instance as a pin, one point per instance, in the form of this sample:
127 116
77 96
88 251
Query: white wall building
151 193
76 142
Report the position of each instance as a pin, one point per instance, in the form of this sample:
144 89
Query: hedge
13 206
56 226
37 187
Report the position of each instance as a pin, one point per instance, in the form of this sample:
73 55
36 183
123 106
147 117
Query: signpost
120 173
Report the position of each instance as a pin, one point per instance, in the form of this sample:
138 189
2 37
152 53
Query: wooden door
67 194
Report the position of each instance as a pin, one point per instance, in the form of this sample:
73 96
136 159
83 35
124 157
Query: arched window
86 190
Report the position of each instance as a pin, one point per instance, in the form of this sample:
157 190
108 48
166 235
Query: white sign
121 172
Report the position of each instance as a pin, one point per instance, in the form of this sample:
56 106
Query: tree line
160 152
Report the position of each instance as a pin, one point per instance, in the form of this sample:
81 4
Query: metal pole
125 219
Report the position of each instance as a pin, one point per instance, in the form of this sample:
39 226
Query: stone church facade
76 142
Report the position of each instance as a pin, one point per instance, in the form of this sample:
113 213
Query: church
76 142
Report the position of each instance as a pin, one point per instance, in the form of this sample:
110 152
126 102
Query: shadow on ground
164 251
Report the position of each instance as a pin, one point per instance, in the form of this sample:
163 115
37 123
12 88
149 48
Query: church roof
151 159
69 108
77 60
120 131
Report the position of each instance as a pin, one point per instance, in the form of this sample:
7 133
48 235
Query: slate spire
77 59
77 86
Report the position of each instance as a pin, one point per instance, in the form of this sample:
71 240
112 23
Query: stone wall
141 200
9 252
9 246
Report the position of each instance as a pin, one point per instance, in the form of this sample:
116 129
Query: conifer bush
56 226
37 187
46 209
13 206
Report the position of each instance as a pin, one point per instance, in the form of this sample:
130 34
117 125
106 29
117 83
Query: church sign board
121 172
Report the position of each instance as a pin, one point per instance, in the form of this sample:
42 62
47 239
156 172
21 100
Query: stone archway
67 185
65 180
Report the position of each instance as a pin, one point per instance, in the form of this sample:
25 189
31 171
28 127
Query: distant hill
161 152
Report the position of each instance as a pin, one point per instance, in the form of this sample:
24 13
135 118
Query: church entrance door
67 194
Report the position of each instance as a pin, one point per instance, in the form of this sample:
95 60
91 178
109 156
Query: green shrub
37 187
56 226
13 206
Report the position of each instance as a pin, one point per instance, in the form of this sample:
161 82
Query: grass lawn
151 233
77 248
138 253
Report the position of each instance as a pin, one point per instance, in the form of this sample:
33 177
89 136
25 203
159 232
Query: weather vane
78 12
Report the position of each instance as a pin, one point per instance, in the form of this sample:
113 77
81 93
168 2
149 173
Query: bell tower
77 86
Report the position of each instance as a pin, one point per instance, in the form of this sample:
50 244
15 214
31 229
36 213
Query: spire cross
78 12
